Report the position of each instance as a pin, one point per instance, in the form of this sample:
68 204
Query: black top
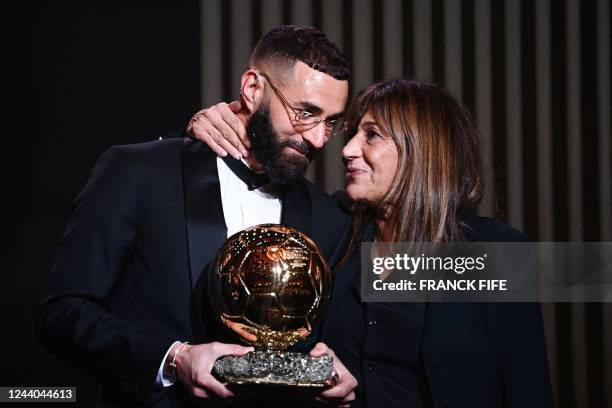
381 343
467 355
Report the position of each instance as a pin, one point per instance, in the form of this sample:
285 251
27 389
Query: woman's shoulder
487 229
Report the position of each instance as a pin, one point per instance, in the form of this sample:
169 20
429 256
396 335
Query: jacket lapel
343 280
206 229
297 208
434 312
345 276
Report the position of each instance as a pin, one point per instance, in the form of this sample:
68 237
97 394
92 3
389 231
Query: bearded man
121 303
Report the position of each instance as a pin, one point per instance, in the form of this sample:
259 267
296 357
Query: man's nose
316 136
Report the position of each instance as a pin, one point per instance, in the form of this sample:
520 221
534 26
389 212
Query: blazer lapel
343 280
297 208
346 275
434 312
206 229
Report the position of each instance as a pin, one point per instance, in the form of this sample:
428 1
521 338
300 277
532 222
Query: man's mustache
303 147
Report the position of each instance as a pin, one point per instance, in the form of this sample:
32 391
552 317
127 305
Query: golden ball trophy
268 287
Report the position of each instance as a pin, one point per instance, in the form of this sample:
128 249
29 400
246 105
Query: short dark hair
286 44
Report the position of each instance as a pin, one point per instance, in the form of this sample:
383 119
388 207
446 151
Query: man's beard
267 148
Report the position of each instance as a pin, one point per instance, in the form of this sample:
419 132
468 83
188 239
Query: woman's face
371 160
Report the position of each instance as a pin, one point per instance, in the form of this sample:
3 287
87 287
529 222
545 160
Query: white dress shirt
242 208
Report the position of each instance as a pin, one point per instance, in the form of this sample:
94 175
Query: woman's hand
343 392
222 128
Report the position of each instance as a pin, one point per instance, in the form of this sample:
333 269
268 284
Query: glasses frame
332 127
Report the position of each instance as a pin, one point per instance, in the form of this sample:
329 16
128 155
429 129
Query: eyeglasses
304 120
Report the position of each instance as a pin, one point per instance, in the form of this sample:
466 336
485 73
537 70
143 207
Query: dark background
84 76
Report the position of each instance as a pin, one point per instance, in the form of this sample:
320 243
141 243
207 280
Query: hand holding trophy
268 287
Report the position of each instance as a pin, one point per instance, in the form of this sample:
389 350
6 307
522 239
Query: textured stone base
276 368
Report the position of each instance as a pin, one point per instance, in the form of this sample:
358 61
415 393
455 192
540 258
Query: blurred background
535 74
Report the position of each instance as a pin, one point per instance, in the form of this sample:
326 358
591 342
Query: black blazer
143 229
475 355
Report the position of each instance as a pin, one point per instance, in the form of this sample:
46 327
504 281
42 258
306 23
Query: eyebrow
370 123
314 109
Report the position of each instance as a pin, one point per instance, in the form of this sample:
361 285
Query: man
120 304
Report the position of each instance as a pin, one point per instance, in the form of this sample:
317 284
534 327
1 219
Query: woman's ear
251 90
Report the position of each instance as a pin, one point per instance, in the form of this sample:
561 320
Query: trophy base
276 368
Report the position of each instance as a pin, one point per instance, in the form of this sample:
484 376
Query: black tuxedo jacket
475 355
143 229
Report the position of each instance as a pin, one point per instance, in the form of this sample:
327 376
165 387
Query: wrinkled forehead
307 88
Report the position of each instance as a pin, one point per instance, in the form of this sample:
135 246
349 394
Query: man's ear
251 90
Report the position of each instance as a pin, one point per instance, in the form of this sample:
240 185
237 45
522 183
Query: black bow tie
251 179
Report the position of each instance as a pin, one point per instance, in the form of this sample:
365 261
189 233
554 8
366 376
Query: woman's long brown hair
439 173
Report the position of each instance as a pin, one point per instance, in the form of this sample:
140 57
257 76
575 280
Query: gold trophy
268 287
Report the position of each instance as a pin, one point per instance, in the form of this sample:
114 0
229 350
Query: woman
413 174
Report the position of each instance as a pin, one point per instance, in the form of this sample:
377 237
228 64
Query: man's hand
194 364
343 392
222 128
